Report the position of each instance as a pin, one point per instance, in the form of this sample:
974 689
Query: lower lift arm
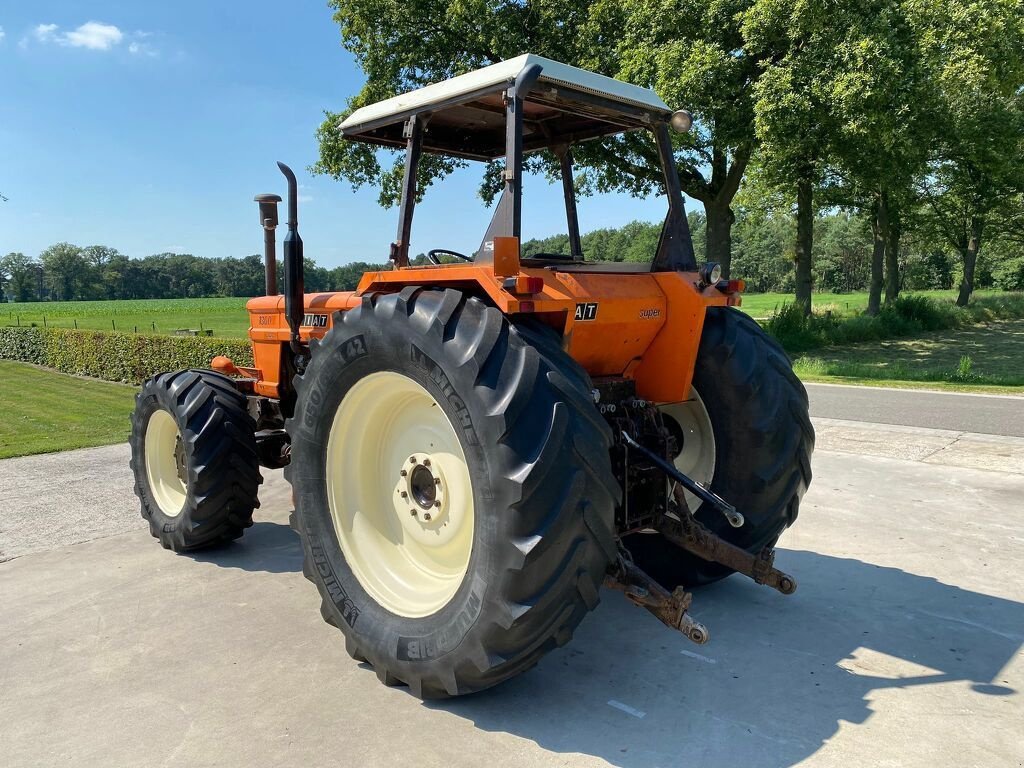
686 532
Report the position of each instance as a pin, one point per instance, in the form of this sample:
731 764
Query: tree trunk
879 231
892 259
970 256
720 219
804 240
717 195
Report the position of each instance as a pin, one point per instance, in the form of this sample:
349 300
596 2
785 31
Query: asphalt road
901 647
982 414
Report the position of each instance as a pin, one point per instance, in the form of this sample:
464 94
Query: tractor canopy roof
467 115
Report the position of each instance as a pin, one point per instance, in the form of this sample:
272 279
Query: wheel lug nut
426 516
437 481
405 495
437 504
412 512
403 473
412 459
426 462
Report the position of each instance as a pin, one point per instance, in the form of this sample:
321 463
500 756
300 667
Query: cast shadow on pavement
771 687
266 546
776 679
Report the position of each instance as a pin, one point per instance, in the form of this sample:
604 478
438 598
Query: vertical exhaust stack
268 220
294 284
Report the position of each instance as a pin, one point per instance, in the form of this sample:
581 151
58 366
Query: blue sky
150 126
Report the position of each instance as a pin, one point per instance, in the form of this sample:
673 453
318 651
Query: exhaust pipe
294 285
268 220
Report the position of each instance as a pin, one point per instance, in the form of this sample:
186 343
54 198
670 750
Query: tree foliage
974 52
690 51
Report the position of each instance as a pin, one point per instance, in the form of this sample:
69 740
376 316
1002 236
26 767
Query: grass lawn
44 411
981 358
225 316
762 305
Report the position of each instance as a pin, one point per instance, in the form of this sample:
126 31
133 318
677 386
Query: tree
21 276
402 45
974 51
884 121
844 111
763 245
792 111
97 258
841 253
691 52
65 271
694 55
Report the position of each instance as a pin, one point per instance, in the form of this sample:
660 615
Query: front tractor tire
749 434
453 489
194 457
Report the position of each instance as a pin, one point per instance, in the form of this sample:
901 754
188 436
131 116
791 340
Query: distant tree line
762 254
66 272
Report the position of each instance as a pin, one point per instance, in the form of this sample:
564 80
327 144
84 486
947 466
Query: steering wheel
432 255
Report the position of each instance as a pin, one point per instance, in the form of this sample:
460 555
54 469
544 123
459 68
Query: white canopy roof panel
553 73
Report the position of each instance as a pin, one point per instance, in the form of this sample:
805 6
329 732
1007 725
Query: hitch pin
730 513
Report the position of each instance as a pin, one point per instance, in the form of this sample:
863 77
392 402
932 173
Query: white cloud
94 36
142 49
2 33
44 32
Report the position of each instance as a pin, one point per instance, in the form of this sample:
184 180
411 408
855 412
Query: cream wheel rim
400 495
166 470
697 457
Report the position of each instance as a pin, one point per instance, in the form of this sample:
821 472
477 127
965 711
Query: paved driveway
902 645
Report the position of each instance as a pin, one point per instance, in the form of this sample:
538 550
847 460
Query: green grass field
227 318
761 305
982 358
44 411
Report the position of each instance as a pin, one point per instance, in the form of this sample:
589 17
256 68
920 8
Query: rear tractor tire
749 434
453 489
194 458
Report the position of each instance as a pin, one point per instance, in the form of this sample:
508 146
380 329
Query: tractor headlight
709 273
681 121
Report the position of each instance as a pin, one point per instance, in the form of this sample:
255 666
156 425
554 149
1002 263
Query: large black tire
219 459
763 444
537 455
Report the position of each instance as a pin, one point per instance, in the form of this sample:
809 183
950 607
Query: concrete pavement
65 498
902 645
954 411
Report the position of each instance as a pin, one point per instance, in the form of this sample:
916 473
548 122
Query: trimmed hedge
126 357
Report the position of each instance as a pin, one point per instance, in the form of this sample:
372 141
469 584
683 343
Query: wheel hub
421 489
422 483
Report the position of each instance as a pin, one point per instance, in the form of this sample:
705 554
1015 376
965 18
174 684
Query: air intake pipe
294 283
268 220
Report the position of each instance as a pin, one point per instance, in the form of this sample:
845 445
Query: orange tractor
476 446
